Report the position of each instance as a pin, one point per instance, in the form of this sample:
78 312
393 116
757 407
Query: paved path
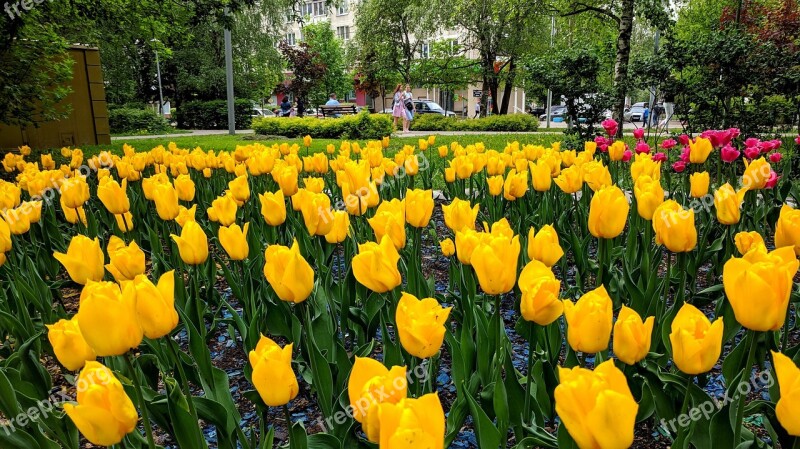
197 132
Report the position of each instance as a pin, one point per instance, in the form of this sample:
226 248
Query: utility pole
229 79
160 92
550 91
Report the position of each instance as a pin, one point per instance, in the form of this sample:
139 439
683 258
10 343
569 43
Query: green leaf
487 433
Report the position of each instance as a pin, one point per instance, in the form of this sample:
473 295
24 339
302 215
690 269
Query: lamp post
229 79
158 71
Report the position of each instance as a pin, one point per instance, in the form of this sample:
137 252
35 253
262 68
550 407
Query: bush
213 114
503 123
362 126
136 121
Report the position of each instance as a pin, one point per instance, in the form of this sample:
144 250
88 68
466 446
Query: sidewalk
197 132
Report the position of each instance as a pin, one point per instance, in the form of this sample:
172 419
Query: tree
447 68
306 67
328 51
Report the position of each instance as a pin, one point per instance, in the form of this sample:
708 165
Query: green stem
182 375
684 408
529 381
601 243
288 418
682 261
137 387
751 344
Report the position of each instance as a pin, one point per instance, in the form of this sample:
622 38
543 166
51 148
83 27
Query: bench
337 111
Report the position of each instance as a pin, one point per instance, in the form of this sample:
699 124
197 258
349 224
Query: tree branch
582 8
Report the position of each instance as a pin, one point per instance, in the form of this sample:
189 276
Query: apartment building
342 20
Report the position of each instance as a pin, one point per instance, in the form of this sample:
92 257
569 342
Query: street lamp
158 71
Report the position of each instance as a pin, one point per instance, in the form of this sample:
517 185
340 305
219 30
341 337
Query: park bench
337 111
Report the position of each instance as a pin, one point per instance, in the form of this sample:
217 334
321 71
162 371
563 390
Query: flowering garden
615 295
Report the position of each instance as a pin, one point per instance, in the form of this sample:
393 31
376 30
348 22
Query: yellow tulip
540 176
616 151
286 179
316 185
234 241
649 195
340 229
166 199
696 343
113 196
589 321
699 184
68 344
787 408
273 207
544 246
596 407
223 210
108 320
699 149
272 375
419 207
317 215
787 231
495 263
727 201
608 212
413 423
240 189
307 141
186 215
192 244
375 265
632 336
644 164
745 241
459 214
370 385
466 242
185 187
570 180
83 260
5 237
674 227
105 413
495 185
540 288
421 325
596 175
288 273
389 220
448 247
74 192
155 305
449 174
18 222
32 210
516 185
756 174
127 261
758 286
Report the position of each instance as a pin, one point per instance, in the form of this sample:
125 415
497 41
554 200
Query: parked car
259 112
555 111
537 111
635 112
431 107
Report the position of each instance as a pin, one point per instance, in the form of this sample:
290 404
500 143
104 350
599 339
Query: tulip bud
375 265
370 385
415 422
127 261
185 187
674 227
589 321
192 243
459 214
746 241
699 184
540 289
727 201
699 149
608 212
448 247
649 195
83 260
696 343
166 199
234 240
223 210
570 180
273 207
389 220
113 196
155 305
495 185
288 272
340 229
787 231
632 336
544 246
272 375
421 325
108 320
240 189
105 413
787 408
418 207
68 344
495 263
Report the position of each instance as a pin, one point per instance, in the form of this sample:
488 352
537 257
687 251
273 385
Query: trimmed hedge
363 126
511 122
136 121
213 114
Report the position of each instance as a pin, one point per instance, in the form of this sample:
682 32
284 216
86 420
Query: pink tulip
685 153
773 180
669 143
611 126
683 139
797 140
626 156
638 133
752 152
642 147
660 157
775 157
751 142
729 154
679 166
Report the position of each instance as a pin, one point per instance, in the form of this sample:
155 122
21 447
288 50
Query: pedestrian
477 109
408 102
658 111
332 101
301 107
645 114
286 106
669 106
398 106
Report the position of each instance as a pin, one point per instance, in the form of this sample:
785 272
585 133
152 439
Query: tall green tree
329 52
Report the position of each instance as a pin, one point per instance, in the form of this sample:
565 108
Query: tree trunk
512 73
621 63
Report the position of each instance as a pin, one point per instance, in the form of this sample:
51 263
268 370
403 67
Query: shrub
213 114
503 123
136 121
361 126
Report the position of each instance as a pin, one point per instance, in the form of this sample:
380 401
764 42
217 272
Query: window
290 39
319 9
425 50
306 9
343 33
343 8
